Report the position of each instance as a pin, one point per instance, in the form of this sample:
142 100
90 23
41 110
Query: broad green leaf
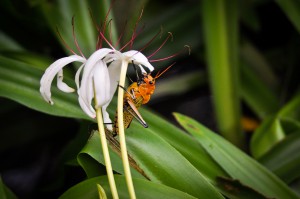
291 109
284 158
101 192
5 192
256 94
59 15
292 10
20 82
182 142
157 162
143 189
220 23
236 190
194 153
266 136
235 162
91 158
7 43
258 82
161 162
275 128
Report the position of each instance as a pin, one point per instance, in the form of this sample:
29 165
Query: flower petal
88 109
85 87
52 70
77 76
139 59
62 85
101 83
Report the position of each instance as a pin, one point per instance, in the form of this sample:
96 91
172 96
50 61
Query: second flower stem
122 131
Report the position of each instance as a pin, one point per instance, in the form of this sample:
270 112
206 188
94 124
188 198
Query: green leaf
183 143
162 163
59 14
274 129
256 94
20 82
284 158
236 190
220 20
101 192
91 158
7 43
292 10
235 162
266 136
157 162
5 192
143 189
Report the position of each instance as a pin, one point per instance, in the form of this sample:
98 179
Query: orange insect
137 93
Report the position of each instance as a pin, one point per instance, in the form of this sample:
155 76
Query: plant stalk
122 131
108 166
220 21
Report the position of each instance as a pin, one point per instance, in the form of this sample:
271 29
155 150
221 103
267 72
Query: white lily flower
100 77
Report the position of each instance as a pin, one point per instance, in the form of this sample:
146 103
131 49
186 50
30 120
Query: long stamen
98 45
66 45
121 35
103 37
109 29
135 27
149 42
171 56
134 33
132 39
170 35
74 36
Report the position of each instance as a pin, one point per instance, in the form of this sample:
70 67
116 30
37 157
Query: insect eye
150 82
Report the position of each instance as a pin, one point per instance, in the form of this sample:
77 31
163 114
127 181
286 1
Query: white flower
100 77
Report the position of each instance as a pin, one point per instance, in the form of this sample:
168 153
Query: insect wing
135 113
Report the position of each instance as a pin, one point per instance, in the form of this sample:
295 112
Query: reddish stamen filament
171 56
74 36
170 35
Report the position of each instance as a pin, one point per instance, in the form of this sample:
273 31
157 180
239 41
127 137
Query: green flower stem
220 21
122 131
109 170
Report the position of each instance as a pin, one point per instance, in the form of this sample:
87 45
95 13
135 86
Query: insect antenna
160 73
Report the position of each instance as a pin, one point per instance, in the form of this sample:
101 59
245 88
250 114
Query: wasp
137 94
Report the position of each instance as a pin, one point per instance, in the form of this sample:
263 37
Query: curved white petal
77 76
62 85
101 83
84 90
138 59
52 70
114 71
88 109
